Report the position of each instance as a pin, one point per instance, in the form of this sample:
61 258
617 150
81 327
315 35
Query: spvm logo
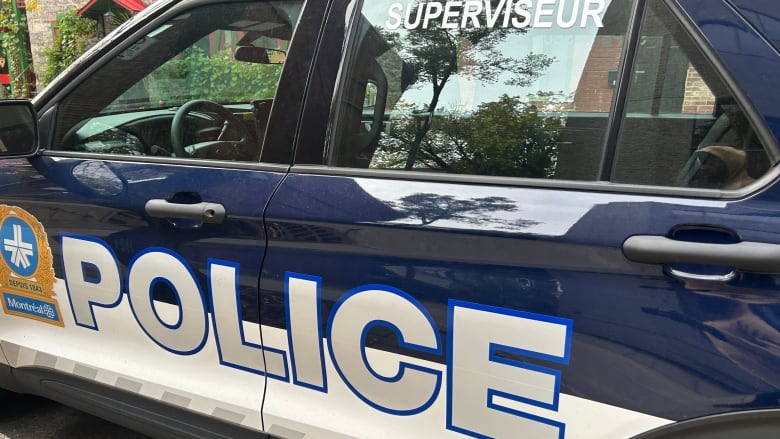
20 249
26 269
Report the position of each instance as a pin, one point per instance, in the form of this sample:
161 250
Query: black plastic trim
130 410
758 424
7 380
314 66
752 257
620 100
35 147
321 106
284 124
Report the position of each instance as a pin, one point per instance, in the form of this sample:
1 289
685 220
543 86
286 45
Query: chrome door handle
209 213
753 257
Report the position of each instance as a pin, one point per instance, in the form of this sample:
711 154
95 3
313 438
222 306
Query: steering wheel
230 149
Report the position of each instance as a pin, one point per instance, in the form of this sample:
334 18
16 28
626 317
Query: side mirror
18 129
259 55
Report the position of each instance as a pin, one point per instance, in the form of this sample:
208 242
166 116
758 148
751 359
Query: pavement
28 417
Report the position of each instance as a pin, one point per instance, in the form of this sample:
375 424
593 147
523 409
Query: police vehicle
378 218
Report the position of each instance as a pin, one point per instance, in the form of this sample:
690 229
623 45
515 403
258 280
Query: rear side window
683 127
526 89
482 88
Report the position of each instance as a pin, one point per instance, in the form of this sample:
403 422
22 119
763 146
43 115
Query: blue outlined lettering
90 273
492 389
304 330
85 292
233 348
478 375
412 388
170 287
155 265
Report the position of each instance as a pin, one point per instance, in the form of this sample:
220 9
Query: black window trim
614 127
618 109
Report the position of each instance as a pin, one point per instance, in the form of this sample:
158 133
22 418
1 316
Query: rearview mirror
18 129
259 55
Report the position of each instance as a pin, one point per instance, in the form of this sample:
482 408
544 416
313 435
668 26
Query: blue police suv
538 219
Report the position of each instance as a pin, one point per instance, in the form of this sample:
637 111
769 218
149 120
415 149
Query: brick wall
39 23
698 97
40 20
594 92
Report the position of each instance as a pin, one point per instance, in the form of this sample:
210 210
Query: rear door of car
537 221
133 243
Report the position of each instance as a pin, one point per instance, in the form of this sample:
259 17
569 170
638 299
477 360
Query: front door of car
133 244
516 232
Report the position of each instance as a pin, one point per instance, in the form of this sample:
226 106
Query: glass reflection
493 88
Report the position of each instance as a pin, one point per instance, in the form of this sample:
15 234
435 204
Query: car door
133 243
543 221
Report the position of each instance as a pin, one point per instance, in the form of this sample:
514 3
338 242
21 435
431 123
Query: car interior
200 86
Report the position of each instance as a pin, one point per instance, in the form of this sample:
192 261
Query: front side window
200 86
501 88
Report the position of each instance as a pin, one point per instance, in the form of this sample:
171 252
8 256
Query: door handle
209 213
753 257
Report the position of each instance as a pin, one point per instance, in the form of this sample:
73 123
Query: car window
683 126
201 85
481 88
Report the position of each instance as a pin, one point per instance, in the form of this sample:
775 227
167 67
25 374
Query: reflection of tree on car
437 54
429 208
423 61
510 137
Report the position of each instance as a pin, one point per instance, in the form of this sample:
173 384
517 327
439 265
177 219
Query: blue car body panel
642 340
762 14
57 192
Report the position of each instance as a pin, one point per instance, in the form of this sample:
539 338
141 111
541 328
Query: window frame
617 115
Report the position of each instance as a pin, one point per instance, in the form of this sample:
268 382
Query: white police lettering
519 14
157 266
92 277
411 388
478 373
304 332
486 391
234 350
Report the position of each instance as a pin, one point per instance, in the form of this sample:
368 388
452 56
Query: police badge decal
26 268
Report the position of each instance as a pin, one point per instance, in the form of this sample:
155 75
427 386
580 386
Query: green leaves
12 39
436 54
508 137
74 35
217 77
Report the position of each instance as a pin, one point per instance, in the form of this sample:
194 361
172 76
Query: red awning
130 5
